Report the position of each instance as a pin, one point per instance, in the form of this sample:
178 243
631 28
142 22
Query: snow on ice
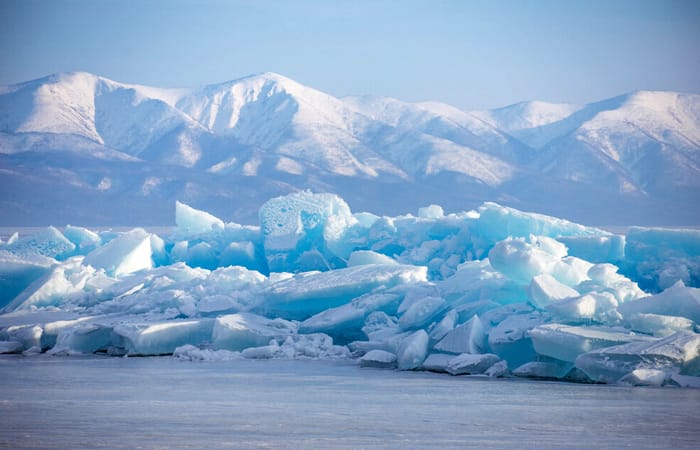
491 292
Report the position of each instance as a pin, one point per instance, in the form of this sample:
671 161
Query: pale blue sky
472 54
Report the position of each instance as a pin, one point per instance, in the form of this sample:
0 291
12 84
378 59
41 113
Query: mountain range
82 149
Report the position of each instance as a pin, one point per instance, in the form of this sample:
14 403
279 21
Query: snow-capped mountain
534 123
648 141
77 147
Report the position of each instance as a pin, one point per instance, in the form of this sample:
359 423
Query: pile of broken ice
489 292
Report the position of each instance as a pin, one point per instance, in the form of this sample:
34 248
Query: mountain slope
534 123
650 141
298 125
74 107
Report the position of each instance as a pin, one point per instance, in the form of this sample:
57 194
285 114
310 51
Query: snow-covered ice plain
100 402
494 291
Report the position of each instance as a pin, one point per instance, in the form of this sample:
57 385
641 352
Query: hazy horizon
471 55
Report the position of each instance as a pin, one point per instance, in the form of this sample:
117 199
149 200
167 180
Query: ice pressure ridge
494 292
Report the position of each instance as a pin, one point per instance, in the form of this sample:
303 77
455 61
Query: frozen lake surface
96 402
